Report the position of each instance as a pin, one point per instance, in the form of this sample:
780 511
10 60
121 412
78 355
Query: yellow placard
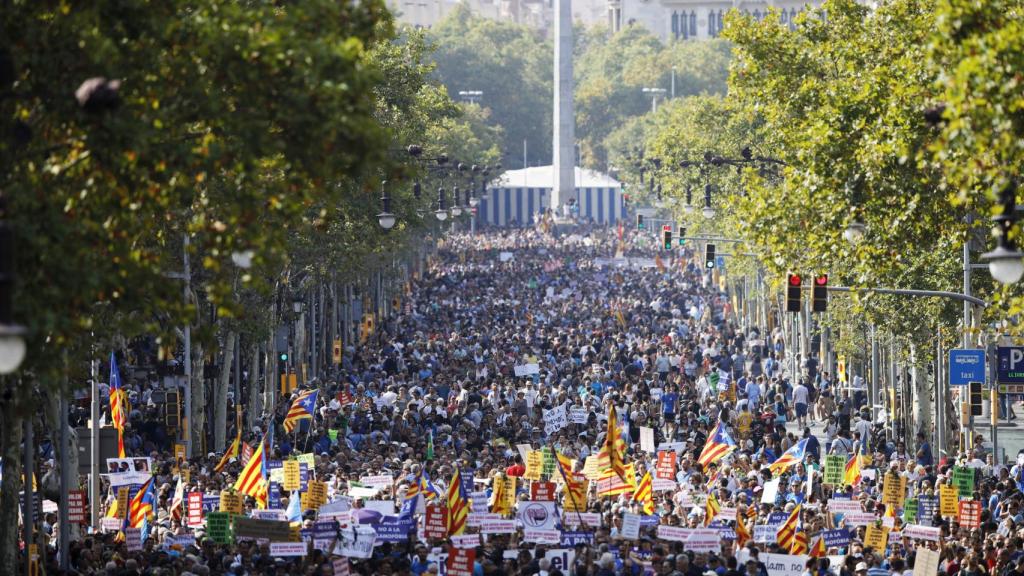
948 501
122 502
894 489
317 494
592 468
231 502
292 479
534 465
337 351
876 537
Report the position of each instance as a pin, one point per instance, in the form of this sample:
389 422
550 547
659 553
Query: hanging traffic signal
709 256
284 357
666 236
682 235
975 390
819 302
793 285
639 221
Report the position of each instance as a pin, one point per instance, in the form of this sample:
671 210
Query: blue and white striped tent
515 197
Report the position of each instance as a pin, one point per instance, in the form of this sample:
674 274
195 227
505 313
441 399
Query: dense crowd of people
513 352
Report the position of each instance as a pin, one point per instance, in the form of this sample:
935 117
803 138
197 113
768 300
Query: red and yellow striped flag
644 493
251 480
786 534
458 506
711 508
612 454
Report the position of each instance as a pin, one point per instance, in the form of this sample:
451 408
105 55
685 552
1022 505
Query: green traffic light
284 357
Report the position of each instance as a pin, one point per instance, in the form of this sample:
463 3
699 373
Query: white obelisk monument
564 141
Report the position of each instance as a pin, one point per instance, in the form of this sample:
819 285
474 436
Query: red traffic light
821 280
795 280
666 227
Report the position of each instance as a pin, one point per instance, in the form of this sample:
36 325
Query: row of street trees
260 131
904 116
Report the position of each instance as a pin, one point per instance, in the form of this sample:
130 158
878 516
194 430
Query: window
693 24
757 15
792 18
675 24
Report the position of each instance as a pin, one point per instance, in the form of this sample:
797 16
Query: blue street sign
720 262
1010 365
966 366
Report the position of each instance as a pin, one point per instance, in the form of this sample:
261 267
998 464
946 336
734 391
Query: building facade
693 19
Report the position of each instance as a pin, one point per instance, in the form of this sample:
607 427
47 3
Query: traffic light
639 221
283 357
975 398
793 284
819 302
172 409
666 236
682 235
709 256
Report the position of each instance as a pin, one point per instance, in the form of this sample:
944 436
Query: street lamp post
471 96
654 92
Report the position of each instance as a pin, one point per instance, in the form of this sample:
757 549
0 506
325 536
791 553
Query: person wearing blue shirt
668 402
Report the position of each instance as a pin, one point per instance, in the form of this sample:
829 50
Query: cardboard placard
284 549
876 537
291 478
218 527
317 492
963 479
666 467
77 509
542 491
969 514
122 502
948 501
194 516
133 539
460 561
835 467
894 489
436 523
272 530
231 502
534 465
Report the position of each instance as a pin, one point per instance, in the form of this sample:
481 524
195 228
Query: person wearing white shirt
800 400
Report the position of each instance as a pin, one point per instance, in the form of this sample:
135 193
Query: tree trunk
255 388
299 349
220 393
10 449
198 415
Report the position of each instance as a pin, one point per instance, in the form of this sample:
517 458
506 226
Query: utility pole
186 420
874 373
94 448
28 510
940 396
65 481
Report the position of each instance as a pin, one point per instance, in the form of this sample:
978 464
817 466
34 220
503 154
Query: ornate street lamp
386 219
1006 263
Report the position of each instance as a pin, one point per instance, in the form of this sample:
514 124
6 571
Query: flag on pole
612 455
177 503
252 481
743 534
786 534
851 475
246 453
711 508
644 493
818 550
796 453
458 506
799 543
118 404
430 445
718 446
234 450
302 409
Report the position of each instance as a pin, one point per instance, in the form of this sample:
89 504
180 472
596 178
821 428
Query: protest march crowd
554 404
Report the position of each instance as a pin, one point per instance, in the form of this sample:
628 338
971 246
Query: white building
518 195
693 19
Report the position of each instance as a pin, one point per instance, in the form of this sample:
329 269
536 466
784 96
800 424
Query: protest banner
542 491
876 537
930 533
284 549
836 538
436 523
666 467
534 465
460 561
948 501
133 539
291 479
630 526
969 514
256 529
230 502
894 489
835 466
77 510
963 479
218 527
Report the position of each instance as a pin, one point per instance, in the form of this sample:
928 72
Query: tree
227 115
512 65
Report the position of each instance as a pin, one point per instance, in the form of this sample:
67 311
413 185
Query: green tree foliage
613 69
842 99
511 64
